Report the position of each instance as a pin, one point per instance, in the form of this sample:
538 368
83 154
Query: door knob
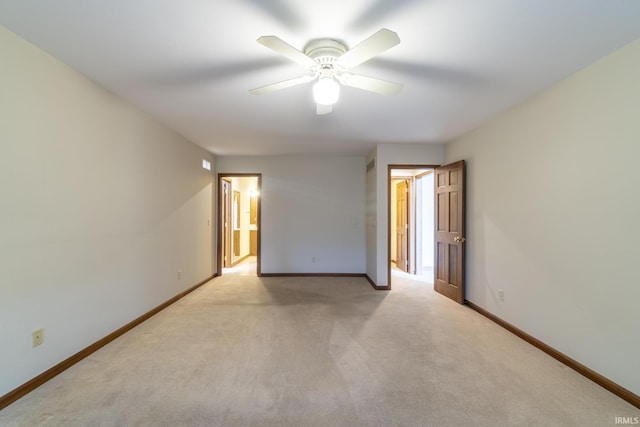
458 239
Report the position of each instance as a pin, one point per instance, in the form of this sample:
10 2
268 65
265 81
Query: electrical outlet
37 337
179 274
501 294
313 259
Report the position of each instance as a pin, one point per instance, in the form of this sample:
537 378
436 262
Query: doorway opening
239 201
411 222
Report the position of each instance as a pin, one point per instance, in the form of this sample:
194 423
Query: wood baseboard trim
36 382
236 262
602 381
376 287
366 276
312 275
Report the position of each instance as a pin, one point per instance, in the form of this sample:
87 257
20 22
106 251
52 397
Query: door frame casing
221 177
389 201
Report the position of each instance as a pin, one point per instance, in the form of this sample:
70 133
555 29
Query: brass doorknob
458 239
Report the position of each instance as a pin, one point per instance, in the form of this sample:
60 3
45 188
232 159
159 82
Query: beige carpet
244 351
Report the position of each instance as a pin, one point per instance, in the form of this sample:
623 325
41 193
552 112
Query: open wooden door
449 219
402 225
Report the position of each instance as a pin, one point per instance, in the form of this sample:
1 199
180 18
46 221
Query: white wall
99 208
371 218
393 154
553 213
312 207
425 186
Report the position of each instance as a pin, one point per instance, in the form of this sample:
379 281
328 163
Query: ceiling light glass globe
326 91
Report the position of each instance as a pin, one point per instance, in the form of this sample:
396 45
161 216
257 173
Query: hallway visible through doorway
411 222
245 267
239 224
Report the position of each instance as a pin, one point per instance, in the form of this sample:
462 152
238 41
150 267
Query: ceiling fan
328 60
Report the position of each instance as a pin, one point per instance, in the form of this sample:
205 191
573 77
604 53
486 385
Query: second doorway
239 224
411 222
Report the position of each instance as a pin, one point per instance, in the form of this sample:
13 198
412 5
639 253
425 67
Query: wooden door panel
402 229
453 266
453 177
441 212
450 217
441 259
236 244
453 212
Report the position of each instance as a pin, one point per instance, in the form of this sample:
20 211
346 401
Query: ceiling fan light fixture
326 91
327 60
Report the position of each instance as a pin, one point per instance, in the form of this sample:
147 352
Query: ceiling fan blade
277 44
323 109
281 85
383 87
367 49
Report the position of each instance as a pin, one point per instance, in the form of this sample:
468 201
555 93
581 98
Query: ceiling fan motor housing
325 51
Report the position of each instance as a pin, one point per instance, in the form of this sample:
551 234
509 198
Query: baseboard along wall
602 381
36 382
365 276
238 261
312 275
377 287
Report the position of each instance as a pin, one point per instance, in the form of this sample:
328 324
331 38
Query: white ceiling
190 63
